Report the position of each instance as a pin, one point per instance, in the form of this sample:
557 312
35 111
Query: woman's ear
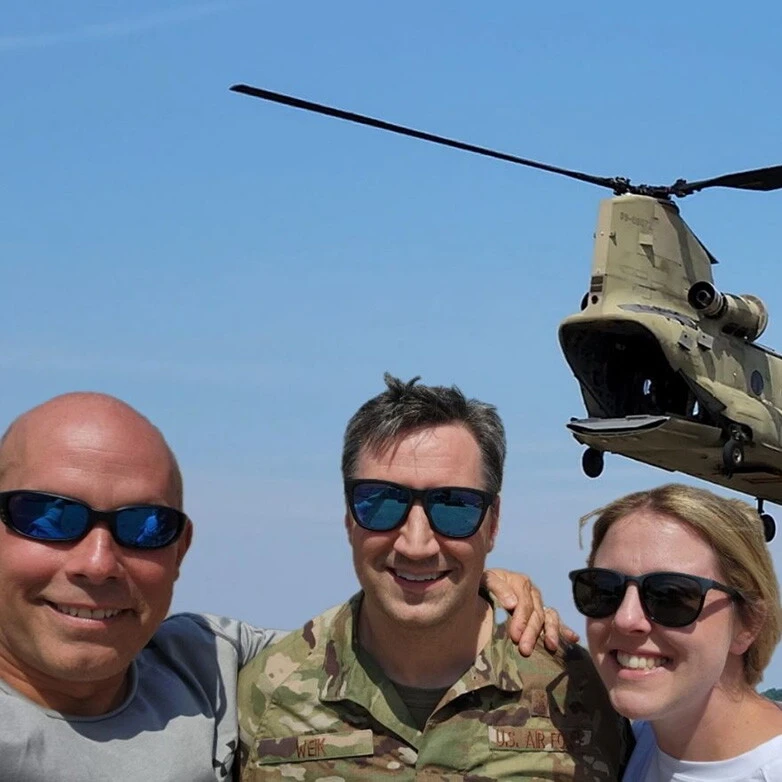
747 626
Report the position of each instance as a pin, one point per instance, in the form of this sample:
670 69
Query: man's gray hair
406 407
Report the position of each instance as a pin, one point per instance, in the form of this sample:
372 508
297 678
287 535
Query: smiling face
654 672
75 614
411 576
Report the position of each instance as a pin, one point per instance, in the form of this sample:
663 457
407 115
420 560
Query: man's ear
494 521
183 544
348 520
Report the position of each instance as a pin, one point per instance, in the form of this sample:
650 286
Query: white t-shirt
650 764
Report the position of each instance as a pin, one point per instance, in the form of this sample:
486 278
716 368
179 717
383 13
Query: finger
528 634
501 590
551 629
568 634
523 613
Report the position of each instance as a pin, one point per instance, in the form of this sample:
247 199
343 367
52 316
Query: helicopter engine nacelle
742 316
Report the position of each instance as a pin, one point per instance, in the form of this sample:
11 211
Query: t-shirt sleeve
246 639
254 639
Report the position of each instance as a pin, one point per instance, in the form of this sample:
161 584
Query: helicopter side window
756 382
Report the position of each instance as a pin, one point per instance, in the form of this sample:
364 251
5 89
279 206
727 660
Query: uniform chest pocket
315 746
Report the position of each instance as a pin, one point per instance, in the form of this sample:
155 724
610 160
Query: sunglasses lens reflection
452 512
47 518
379 506
147 526
455 512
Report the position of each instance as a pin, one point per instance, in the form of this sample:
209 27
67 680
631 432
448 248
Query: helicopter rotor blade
617 184
769 178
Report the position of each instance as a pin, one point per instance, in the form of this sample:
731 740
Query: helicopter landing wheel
592 463
732 456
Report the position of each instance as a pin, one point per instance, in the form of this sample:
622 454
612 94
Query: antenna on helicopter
769 178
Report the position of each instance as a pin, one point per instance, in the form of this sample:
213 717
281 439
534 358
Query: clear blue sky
244 273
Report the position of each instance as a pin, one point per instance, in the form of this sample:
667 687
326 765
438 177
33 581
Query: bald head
89 438
96 450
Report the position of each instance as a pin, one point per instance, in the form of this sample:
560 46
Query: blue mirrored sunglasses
452 511
52 518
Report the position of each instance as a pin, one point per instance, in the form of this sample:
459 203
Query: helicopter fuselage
668 369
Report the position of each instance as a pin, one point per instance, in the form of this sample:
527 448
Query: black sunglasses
452 511
669 599
50 518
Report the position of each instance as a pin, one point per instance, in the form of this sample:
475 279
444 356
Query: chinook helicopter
669 367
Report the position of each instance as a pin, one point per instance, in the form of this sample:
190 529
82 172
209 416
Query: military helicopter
669 367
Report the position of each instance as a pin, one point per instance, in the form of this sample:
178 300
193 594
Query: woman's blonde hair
734 531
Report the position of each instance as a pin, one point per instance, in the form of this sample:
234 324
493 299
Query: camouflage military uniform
309 709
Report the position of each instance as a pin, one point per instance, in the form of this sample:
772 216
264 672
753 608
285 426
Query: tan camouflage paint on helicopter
667 377
308 710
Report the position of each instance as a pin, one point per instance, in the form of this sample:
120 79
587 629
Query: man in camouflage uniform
413 678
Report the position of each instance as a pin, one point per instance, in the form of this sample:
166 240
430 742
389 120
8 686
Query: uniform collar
351 674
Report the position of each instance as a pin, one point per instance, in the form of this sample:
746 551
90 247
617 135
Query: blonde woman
683 615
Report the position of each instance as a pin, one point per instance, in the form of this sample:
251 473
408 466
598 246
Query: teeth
414 577
88 613
636 661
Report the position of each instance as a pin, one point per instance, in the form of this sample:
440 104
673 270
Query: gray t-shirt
178 723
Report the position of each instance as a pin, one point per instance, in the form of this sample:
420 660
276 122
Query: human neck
426 657
79 699
729 724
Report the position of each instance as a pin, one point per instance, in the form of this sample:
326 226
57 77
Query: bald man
85 595
95 683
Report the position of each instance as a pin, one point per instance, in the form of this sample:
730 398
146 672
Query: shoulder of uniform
276 663
571 660
565 656
540 658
